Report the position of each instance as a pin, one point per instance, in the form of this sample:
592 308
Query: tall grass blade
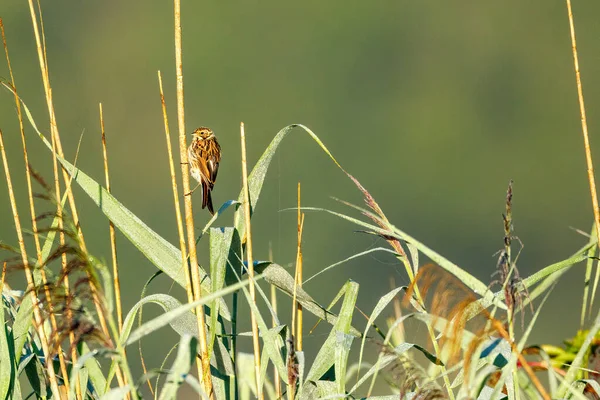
116 394
161 253
547 276
220 239
37 378
342 351
383 361
257 176
186 355
357 255
276 275
246 377
175 314
577 364
586 284
326 356
23 323
273 344
94 371
379 307
184 324
7 357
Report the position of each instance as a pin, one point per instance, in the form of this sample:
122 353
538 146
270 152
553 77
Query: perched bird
204 155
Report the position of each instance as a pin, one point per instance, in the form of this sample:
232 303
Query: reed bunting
204 155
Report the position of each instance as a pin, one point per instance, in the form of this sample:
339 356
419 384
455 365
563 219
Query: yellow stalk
36 238
584 128
250 260
38 320
182 247
111 227
205 375
298 277
57 147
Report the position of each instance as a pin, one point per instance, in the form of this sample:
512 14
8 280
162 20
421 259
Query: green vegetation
66 335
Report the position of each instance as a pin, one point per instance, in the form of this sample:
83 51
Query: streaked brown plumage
204 155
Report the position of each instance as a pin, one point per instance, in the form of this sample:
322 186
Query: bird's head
202 133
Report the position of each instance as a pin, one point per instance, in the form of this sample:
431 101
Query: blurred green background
432 105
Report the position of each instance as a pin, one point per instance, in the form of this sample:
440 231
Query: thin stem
36 237
584 129
205 377
124 366
295 294
58 150
298 277
111 227
234 315
524 363
38 320
250 260
184 265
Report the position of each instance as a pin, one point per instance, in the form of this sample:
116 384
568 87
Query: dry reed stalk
3 278
182 247
57 149
584 128
36 237
298 275
111 227
528 370
381 220
205 377
294 296
246 189
296 308
31 287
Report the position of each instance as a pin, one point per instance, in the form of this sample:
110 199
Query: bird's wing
213 159
200 161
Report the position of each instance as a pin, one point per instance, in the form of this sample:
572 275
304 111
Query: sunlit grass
66 336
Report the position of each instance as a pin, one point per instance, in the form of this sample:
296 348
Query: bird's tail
207 199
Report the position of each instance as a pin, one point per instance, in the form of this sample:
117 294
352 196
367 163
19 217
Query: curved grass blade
276 275
22 324
469 280
342 350
326 356
219 252
381 304
357 255
186 355
89 360
176 313
547 276
184 324
77 369
117 393
161 253
579 359
257 176
195 385
382 362
37 377
7 359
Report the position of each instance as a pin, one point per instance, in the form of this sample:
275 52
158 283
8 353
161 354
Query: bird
204 155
